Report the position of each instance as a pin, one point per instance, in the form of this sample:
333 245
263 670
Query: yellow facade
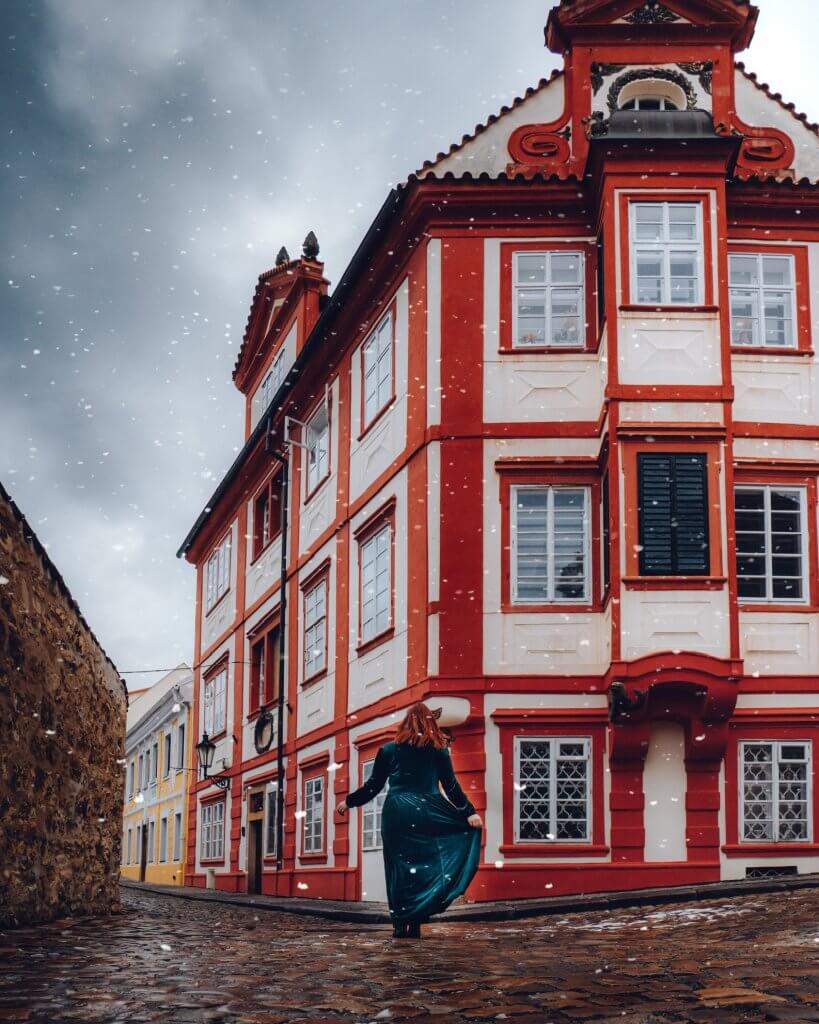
154 839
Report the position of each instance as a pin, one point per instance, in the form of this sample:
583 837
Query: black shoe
414 930
399 930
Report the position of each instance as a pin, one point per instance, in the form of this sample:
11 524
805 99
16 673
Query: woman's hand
475 821
341 809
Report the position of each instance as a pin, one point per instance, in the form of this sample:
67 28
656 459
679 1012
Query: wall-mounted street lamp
205 750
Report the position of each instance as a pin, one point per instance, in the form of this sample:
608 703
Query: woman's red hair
420 728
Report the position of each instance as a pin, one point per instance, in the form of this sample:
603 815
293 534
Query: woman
431 844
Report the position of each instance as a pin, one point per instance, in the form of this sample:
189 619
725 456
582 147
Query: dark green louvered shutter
673 511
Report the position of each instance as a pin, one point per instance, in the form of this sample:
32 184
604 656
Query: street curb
355 913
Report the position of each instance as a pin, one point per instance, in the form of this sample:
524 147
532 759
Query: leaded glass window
775 791
552 790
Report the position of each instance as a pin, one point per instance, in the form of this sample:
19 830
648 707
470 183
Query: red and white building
558 476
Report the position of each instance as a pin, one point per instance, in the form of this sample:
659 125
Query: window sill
218 862
265 549
375 641
522 350
313 858
769 350
675 582
777 849
313 678
778 606
520 850
217 602
633 307
563 607
377 418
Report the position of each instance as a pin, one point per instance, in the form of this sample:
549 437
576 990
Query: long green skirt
430 853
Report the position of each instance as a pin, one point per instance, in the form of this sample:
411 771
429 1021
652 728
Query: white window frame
372 558
217 573
371 813
554 756
550 545
315 623
212 836
271 798
377 385
314 798
775 783
128 846
665 248
273 380
177 837
758 334
214 702
154 762
317 443
163 839
151 841
167 748
767 489
547 288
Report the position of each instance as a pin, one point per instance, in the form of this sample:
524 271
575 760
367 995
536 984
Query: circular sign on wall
263 734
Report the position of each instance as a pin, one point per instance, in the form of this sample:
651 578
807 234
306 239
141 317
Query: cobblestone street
752 958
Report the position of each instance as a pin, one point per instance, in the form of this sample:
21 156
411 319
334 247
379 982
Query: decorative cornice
652 13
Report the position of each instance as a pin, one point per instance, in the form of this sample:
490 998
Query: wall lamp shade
205 750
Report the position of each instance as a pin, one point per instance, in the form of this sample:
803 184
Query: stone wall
62 726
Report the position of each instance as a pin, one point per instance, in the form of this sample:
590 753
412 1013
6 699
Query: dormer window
650 103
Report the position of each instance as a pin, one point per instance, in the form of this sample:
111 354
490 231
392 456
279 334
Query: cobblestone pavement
751 958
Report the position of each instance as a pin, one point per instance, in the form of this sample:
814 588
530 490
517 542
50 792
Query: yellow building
157 759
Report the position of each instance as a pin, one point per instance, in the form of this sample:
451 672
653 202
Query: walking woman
431 844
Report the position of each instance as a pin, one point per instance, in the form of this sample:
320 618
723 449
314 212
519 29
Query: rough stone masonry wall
62 728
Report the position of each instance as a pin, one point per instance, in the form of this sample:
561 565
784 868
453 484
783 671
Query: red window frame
507 295
385 516
748 474
365 424
269 495
320 576
264 640
717 577
704 201
773 724
518 722
222 665
312 768
549 472
801 289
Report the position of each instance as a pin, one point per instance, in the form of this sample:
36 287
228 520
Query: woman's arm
454 793
373 786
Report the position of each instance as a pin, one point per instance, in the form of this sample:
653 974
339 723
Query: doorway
143 852
254 857
664 785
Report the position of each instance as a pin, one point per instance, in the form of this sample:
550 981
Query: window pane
778 324
565 268
531 331
531 302
744 318
744 271
648 219
531 268
776 271
682 222
683 268
649 278
530 539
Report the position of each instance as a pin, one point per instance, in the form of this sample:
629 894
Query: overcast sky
157 155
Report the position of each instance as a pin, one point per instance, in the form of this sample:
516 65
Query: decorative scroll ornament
652 13
702 69
599 71
539 147
596 125
644 74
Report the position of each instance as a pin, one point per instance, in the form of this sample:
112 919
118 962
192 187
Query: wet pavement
749 958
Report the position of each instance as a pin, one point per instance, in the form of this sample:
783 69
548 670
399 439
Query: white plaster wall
775 389
289 347
493 817
685 620
527 642
319 511
488 152
664 782
522 387
215 622
385 441
778 700
775 448
316 700
780 643
266 569
329 797
658 348
759 110
383 669
434 331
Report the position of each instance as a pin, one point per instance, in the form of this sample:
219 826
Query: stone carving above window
599 71
702 69
652 13
649 74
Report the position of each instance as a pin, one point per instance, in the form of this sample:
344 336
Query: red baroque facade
556 472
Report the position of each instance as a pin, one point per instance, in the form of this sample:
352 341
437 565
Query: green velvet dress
430 852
